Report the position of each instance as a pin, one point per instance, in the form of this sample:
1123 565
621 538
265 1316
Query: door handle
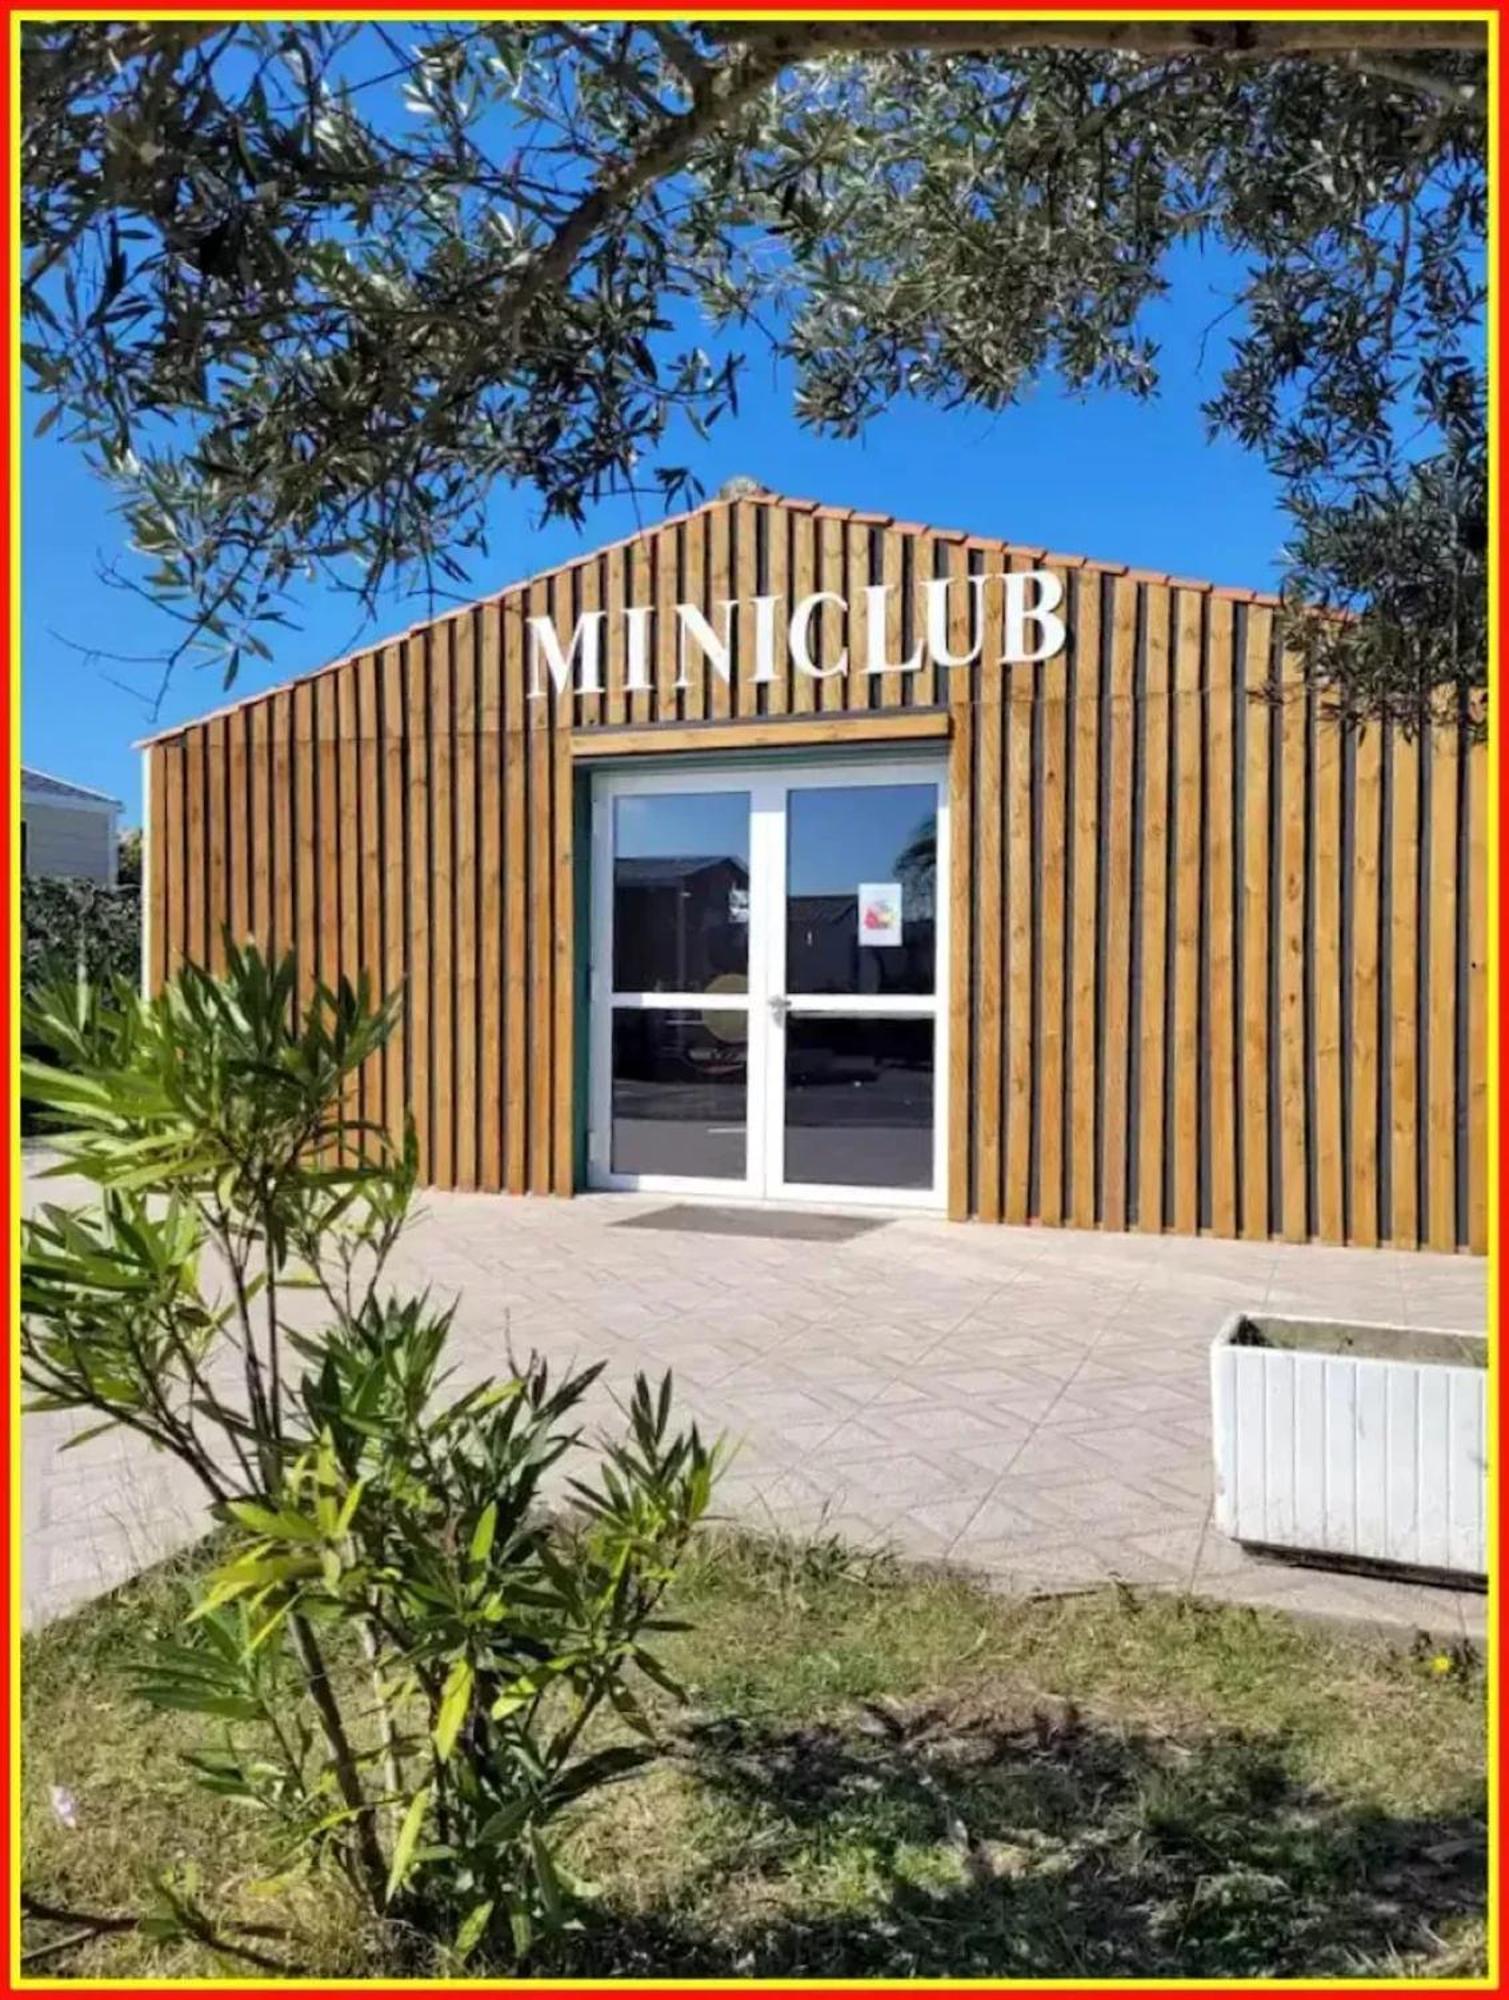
780 1007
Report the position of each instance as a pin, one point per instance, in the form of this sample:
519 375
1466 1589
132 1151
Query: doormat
790 1225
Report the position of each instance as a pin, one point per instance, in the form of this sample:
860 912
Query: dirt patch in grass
884 1771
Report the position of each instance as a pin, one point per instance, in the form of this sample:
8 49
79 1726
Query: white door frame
917 1007
768 786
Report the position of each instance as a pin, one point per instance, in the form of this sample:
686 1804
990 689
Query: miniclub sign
1029 602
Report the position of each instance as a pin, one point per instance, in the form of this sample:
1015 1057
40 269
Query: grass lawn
884 1771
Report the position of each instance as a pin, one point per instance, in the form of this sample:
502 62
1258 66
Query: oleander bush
367 1507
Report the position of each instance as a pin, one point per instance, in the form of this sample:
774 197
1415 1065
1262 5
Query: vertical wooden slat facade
1214 966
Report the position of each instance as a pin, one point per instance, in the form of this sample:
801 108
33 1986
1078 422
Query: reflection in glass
680 1092
680 891
839 837
859 1102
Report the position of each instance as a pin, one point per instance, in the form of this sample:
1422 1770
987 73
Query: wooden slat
349 842
615 656
587 585
490 868
1021 865
421 894
238 809
541 947
1404 991
216 910
443 906
1367 841
778 584
1053 698
1185 1055
963 1101
922 551
369 948
394 935
1221 794
832 542
894 691
558 829
515 904
563 918
693 557
804 573
717 700
1289 720
307 832
192 923
1257 723
1085 726
176 885
746 519
1324 948
464 670
991 903
348 829
328 861
662 557
158 862
864 691
1153 944
1119 727
639 584
284 840
1476 1080
263 860
1441 921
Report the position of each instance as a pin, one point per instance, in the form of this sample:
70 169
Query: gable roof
42 785
1052 558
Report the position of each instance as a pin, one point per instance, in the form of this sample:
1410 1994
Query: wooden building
699 868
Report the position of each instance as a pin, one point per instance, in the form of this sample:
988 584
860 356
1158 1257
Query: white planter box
1364 1443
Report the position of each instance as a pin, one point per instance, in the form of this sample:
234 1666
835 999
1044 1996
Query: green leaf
233 1708
661 1675
602 1767
84 1436
278 1523
484 1533
505 1823
472 1927
519 1693
549 1881
348 1507
522 1926
455 1700
408 1840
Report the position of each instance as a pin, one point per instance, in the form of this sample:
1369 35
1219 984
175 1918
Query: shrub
68 926
74 929
361 1505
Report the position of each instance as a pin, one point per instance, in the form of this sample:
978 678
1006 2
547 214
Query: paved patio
1031 1403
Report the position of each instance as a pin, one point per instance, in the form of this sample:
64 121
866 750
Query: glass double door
767 956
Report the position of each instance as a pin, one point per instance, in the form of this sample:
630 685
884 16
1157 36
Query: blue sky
1104 476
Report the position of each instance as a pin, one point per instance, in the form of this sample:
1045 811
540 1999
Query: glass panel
681 892
842 840
679 1092
859 1101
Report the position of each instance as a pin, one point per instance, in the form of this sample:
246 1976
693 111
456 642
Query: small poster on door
880 913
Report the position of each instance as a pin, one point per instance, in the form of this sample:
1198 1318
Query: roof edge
68 787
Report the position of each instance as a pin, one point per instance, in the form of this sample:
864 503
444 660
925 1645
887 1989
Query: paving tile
1029 1401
